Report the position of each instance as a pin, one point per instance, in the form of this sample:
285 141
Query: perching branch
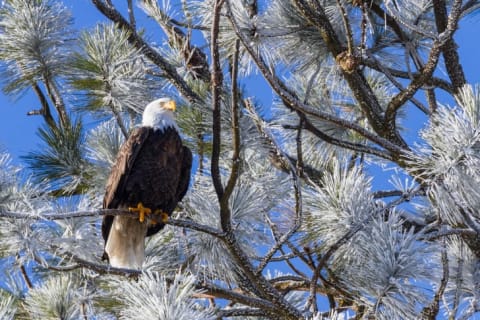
112 212
432 81
267 290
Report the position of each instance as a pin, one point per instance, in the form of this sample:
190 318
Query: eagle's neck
159 120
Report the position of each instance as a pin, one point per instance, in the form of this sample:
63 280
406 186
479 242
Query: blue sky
18 131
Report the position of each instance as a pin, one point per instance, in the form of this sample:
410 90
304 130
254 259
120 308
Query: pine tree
287 215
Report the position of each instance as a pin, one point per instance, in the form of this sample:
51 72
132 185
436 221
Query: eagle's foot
142 211
163 215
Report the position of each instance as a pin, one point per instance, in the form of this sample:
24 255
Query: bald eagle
150 176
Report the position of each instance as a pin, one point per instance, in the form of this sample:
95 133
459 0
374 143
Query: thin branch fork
399 100
298 254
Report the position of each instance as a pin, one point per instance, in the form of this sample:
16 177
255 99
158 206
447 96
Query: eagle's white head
158 114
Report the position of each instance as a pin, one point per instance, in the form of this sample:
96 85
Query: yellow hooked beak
170 105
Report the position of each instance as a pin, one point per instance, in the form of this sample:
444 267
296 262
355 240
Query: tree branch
57 100
131 15
399 100
216 87
430 312
294 103
222 293
432 81
449 49
45 110
114 212
235 171
111 13
363 93
347 144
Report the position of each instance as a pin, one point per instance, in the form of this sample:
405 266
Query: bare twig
223 293
448 231
432 100
242 312
432 81
82 263
25 276
399 86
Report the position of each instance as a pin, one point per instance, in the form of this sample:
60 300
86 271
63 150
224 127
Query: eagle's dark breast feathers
152 167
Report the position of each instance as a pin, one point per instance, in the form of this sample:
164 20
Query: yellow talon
142 211
163 215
